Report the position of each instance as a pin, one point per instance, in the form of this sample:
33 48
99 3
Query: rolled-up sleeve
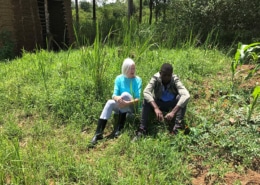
183 92
148 91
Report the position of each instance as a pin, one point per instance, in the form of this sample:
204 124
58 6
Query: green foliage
232 19
12 166
51 101
255 95
12 130
86 6
246 54
179 23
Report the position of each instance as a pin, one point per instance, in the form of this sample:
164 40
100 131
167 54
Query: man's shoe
185 130
139 134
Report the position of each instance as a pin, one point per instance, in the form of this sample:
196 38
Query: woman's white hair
128 62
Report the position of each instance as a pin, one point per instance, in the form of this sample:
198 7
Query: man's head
166 73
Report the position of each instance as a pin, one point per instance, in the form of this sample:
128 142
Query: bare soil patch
249 178
243 72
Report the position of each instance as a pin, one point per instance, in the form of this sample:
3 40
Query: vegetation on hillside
226 22
50 103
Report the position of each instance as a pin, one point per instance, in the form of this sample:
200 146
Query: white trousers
112 105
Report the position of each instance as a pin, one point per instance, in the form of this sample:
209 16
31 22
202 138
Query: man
164 93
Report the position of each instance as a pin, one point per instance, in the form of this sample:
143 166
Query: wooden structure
37 23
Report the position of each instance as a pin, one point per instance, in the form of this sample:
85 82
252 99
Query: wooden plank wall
69 21
22 19
6 18
27 24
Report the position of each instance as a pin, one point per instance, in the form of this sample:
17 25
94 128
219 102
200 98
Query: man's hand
159 114
157 111
169 116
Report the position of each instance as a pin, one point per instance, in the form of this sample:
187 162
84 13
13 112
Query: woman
127 92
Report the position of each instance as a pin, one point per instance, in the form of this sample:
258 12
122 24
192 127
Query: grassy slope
50 103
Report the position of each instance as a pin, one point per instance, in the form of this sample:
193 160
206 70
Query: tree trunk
77 12
164 10
130 9
94 10
47 20
140 11
157 9
151 11
49 36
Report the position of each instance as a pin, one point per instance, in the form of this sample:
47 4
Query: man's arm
148 91
183 93
157 111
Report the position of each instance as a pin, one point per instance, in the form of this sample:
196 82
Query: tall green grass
50 103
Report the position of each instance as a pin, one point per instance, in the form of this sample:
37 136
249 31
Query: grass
50 103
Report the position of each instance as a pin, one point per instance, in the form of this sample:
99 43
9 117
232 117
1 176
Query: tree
94 10
77 12
151 11
164 9
140 11
130 8
86 6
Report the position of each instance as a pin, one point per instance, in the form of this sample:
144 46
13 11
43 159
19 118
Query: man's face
166 77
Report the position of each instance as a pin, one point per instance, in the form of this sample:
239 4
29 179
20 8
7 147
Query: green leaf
251 45
238 53
256 92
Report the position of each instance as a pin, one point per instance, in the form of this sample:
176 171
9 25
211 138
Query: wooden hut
37 23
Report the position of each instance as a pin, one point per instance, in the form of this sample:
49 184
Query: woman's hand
123 103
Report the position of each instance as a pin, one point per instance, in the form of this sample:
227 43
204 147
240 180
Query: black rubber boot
120 124
177 126
99 131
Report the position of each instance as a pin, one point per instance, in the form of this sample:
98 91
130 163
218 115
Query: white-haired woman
127 92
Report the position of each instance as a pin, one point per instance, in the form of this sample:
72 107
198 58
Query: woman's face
131 72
